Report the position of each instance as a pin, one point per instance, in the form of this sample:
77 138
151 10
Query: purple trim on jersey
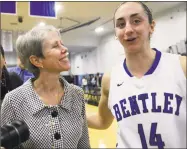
155 63
153 67
126 69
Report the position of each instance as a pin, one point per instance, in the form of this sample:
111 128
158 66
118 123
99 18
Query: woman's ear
36 61
152 27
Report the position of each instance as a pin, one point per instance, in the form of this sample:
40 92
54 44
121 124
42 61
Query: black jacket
9 81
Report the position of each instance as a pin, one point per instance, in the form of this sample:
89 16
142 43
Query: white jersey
150 111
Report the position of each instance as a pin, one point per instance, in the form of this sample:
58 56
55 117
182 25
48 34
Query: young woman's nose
128 29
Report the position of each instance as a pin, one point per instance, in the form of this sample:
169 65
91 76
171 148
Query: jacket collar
37 105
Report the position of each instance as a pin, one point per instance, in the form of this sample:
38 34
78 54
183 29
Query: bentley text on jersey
171 105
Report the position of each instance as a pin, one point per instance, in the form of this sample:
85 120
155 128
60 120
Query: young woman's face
132 26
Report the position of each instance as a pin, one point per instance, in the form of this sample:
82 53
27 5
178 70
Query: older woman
53 109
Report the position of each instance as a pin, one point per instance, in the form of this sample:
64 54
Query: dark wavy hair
2 51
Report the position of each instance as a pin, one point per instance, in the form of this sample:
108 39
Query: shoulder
76 90
105 84
183 64
169 55
77 96
115 70
15 96
170 58
13 69
15 80
14 75
17 91
106 77
176 60
72 89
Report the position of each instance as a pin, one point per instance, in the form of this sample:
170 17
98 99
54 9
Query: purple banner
8 7
45 9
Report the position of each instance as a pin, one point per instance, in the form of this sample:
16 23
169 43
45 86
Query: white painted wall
84 63
73 39
109 51
169 31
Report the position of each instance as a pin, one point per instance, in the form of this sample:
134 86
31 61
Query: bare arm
183 64
103 119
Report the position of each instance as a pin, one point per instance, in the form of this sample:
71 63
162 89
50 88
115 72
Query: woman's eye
136 21
55 46
121 25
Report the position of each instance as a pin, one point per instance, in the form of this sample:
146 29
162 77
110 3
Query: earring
116 38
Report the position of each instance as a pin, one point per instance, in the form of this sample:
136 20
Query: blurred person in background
9 81
21 71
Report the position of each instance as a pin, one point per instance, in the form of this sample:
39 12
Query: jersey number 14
154 140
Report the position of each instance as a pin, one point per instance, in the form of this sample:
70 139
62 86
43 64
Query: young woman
147 92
